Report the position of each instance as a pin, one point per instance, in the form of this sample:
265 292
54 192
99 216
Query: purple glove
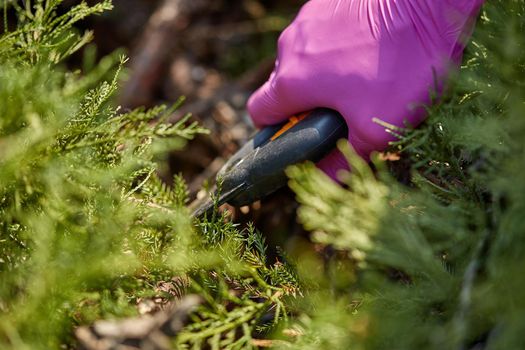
366 59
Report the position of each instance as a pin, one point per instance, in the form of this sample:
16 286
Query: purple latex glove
366 59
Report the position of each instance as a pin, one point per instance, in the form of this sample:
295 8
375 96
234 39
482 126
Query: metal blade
206 208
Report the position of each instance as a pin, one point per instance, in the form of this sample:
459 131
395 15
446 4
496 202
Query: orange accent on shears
291 123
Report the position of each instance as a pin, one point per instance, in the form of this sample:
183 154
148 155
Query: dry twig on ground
155 45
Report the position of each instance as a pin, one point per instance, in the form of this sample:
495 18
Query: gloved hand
366 59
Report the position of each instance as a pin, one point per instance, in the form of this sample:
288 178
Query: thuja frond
255 247
93 72
155 190
221 333
108 133
87 227
72 214
92 103
244 292
42 36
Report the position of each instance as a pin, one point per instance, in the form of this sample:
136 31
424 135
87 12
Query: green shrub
438 260
87 228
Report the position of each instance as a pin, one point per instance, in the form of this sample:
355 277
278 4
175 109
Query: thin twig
155 46
474 268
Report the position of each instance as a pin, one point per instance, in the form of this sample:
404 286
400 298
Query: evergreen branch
140 185
233 320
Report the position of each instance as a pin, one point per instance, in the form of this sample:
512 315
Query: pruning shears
258 168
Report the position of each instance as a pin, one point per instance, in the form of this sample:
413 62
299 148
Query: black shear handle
258 169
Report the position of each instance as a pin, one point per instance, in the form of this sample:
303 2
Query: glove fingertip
265 108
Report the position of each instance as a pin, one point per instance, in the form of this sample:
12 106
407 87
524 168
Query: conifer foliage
437 259
88 229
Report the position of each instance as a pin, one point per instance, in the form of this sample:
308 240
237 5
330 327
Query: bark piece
148 332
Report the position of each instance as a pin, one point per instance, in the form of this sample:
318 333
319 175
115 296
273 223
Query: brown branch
154 48
146 332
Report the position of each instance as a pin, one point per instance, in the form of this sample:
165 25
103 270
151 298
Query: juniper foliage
87 228
437 261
